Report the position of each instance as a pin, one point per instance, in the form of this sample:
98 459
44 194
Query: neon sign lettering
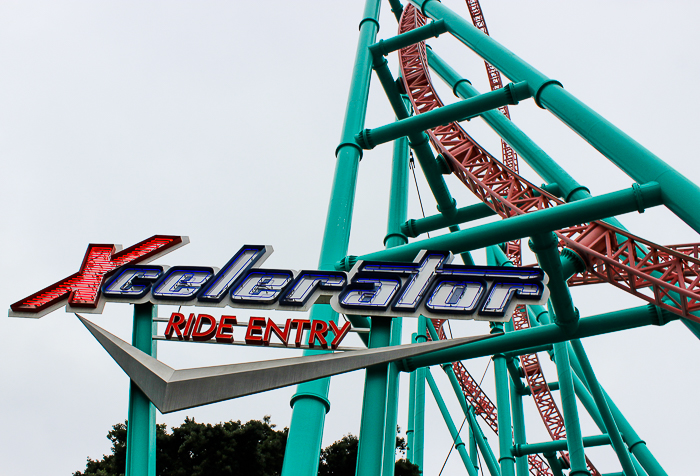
431 286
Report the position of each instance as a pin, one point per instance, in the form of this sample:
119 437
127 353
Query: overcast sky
219 121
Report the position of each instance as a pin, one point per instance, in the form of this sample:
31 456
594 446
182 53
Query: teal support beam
414 228
553 386
396 8
558 445
310 403
519 436
141 429
431 30
608 420
370 450
530 152
582 211
505 439
535 336
544 245
454 433
574 438
398 210
511 93
680 194
419 404
410 431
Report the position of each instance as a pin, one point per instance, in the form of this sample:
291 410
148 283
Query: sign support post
141 430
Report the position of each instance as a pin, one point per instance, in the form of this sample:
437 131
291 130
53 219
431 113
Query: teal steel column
505 440
519 437
680 194
398 210
141 429
419 402
310 403
597 393
370 451
454 432
410 432
574 438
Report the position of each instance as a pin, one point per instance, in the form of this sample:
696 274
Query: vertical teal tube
505 439
419 404
398 212
378 424
141 430
454 432
574 438
370 451
310 403
410 432
519 437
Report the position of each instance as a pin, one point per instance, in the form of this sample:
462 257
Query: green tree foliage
254 448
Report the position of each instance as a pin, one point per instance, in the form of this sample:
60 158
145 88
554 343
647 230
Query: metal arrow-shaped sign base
171 390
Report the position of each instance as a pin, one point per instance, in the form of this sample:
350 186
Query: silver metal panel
171 390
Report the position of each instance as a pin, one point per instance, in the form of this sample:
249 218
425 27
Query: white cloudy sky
219 120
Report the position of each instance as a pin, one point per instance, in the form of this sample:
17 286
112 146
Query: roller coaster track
660 275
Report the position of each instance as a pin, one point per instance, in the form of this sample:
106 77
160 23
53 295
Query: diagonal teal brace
454 433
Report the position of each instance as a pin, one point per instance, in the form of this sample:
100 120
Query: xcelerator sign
431 285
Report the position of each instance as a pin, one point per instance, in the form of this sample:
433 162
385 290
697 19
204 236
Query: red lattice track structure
662 276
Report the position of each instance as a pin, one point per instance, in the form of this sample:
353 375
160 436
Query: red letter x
83 288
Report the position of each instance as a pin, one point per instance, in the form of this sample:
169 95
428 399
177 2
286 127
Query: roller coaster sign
431 285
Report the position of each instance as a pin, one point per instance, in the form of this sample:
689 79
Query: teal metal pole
535 336
310 403
410 432
419 403
505 439
680 194
519 436
555 218
554 463
544 245
608 420
574 438
512 93
558 445
414 228
370 451
398 210
141 428
454 433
